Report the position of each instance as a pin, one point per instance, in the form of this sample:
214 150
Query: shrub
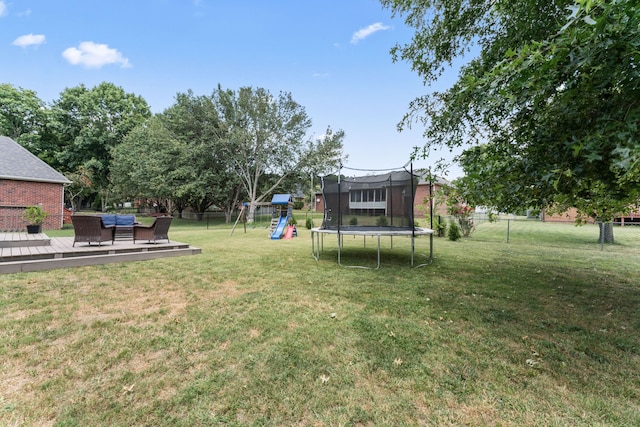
298 204
382 221
454 231
466 225
440 227
309 223
353 220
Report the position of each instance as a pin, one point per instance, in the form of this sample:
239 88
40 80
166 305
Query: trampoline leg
315 245
430 253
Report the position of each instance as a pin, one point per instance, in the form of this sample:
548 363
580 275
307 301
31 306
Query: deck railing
11 218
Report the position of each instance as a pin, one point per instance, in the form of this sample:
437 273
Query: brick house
630 217
26 180
421 201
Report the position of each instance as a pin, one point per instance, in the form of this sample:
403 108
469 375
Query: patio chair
159 230
89 228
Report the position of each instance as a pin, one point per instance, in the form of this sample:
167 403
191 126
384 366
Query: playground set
282 226
282 217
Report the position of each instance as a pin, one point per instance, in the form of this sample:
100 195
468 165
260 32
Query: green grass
256 332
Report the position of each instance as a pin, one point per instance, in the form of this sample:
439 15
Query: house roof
18 163
423 178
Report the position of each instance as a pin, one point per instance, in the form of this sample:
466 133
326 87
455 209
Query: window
374 196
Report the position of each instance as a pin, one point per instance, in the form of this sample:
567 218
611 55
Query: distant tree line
202 151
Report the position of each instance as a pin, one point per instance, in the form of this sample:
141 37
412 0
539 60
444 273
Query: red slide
289 234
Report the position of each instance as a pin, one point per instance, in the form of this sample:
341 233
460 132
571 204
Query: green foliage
466 225
382 221
88 124
265 136
23 117
353 220
550 101
298 205
309 223
439 226
454 233
34 215
458 207
206 175
80 186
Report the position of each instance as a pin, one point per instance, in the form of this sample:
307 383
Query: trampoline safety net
369 202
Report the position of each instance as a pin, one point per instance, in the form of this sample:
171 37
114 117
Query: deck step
96 258
23 240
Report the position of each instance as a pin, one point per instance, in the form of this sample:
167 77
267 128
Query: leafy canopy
550 106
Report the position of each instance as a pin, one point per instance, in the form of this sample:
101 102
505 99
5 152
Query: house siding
15 195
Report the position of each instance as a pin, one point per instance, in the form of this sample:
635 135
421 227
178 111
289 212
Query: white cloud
3 8
94 55
363 33
29 40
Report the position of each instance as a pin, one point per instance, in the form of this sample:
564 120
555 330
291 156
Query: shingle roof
18 163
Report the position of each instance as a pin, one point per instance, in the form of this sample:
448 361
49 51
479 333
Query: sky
333 56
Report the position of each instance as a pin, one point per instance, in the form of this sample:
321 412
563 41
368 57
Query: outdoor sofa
122 222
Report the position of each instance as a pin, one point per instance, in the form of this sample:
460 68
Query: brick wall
421 208
16 195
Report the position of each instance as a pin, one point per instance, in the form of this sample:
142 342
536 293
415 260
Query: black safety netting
370 201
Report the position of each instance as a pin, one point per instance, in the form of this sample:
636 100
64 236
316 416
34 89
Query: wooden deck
22 252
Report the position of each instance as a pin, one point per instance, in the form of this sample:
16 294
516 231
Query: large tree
150 165
550 105
267 140
88 123
23 116
194 120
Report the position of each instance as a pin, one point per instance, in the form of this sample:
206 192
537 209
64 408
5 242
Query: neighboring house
368 195
423 196
632 216
26 180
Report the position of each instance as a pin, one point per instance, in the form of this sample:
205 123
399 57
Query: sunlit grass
256 332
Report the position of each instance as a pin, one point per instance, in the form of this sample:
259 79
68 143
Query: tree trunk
606 232
251 213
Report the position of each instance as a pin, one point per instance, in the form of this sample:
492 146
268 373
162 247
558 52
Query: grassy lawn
256 332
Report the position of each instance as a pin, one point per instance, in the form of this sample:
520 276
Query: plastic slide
277 233
289 234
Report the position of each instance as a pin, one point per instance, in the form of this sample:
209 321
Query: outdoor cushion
108 219
127 220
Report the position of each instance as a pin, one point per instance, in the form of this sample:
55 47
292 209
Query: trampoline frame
317 240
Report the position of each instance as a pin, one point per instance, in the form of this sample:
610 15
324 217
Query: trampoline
374 205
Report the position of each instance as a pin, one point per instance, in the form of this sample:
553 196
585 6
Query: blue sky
331 55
